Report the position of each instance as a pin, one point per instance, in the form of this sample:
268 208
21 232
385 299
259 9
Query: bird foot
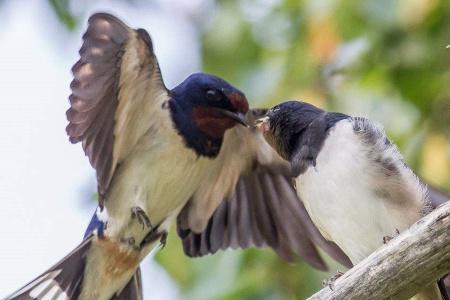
163 239
153 236
387 238
139 214
330 282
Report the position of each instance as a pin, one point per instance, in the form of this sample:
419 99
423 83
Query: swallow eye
213 95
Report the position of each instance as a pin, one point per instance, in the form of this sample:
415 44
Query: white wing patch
44 288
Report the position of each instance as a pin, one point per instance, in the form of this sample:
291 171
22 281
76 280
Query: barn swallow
352 179
161 155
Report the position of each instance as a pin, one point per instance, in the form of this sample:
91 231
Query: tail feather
433 292
133 290
444 289
437 196
62 281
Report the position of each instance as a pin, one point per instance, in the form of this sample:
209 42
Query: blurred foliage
61 8
384 59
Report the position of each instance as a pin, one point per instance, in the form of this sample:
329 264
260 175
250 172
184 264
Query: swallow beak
237 116
240 104
262 124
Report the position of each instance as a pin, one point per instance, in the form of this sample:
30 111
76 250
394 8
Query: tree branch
408 263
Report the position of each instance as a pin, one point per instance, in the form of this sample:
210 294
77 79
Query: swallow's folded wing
437 196
248 200
117 93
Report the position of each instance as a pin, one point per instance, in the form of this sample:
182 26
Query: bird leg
154 235
330 282
387 238
142 218
163 239
139 214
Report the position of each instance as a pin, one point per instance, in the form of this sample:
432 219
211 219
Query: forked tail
64 280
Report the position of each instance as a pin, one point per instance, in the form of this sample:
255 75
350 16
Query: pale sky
46 182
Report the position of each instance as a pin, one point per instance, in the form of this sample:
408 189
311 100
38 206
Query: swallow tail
133 290
64 280
444 288
432 292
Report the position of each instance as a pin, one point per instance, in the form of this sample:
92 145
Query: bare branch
413 260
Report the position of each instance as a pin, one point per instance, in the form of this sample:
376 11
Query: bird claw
330 282
154 235
163 239
388 238
139 214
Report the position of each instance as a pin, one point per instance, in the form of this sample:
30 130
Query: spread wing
248 200
116 91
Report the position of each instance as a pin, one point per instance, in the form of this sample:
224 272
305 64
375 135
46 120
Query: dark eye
213 95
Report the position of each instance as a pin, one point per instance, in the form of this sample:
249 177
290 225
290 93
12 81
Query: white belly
339 196
159 177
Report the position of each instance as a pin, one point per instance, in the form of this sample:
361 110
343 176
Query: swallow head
203 107
213 104
283 125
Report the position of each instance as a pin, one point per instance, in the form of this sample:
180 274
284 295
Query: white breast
340 192
160 176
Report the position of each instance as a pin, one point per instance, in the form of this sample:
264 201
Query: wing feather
117 90
233 233
218 236
251 202
243 225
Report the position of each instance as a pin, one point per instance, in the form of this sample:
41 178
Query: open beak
237 116
262 124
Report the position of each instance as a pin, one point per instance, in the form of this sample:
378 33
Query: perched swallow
353 181
163 154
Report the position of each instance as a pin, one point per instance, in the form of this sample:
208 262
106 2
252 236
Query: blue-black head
202 89
205 106
294 123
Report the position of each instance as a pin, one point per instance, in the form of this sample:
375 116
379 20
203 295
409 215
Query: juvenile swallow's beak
262 124
237 116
